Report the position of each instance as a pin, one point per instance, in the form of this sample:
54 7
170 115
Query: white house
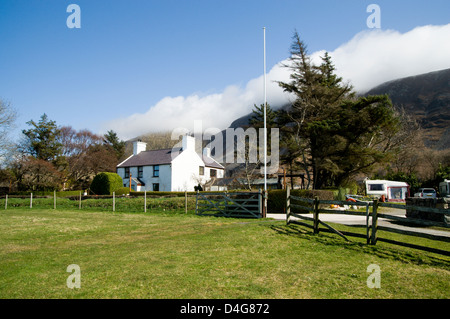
175 169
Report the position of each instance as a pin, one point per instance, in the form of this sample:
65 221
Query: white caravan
444 188
391 190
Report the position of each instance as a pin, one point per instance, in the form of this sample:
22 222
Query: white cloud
368 59
376 56
214 110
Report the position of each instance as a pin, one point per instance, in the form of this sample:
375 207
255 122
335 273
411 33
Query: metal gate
239 204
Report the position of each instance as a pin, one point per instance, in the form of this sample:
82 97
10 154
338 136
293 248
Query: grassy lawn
169 254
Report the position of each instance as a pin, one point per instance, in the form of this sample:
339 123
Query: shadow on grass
328 239
417 225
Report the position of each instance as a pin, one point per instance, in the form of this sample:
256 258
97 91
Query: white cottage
175 169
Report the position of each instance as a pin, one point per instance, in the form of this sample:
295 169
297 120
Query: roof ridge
161 149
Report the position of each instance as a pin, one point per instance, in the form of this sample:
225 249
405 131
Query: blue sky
130 56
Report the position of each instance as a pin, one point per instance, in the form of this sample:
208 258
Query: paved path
352 220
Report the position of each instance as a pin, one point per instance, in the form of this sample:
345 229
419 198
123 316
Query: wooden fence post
288 205
185 202
114 201
316 215
79 203
54 199
367 224
261 211
145 201
373 239
31 200
6 202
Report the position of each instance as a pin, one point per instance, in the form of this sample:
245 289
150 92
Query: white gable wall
185 171
219 172
206 177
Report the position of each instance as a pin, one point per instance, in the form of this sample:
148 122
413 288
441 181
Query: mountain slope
427 98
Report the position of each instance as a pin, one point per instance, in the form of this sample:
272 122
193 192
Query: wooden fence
297 207
236 204
111 200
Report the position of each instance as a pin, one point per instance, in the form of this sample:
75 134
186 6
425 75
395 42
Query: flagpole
265 114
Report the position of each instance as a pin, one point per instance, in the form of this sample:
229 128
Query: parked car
426 193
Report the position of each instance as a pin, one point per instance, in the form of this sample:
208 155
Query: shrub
122 191
106 183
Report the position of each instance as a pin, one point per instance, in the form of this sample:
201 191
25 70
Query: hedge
122 191
106 183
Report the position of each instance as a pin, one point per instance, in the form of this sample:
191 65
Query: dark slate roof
146 158
162 157
210 162
225 181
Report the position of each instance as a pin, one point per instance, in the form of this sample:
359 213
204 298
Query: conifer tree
41 140
331 133
257 119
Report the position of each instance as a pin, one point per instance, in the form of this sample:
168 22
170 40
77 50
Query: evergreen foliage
106 183
257 119
329 132
41 141
111 139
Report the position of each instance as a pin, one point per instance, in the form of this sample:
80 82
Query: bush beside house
106 183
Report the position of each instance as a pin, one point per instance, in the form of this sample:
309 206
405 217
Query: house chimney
188 143
207 152
207 156
139 146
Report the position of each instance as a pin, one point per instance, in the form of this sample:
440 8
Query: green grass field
169 254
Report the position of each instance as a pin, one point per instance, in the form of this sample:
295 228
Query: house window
127 172
156 171
155 187
201 170
213 173
140 171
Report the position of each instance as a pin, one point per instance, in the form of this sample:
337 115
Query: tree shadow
382 251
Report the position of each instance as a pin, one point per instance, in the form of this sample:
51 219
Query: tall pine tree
336 134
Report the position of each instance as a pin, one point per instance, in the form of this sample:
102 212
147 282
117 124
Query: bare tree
35 174
7 120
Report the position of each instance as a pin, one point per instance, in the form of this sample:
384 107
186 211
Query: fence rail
101 202
371 225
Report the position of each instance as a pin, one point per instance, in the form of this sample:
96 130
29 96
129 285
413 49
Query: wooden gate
239 204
